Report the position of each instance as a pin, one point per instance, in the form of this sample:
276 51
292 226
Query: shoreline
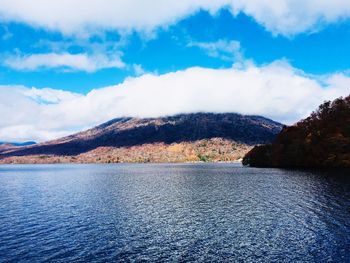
108 163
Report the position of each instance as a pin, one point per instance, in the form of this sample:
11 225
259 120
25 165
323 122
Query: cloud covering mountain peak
276 90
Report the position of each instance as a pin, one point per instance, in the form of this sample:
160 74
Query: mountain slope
184 128
321 140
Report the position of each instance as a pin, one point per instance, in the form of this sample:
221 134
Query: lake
172 213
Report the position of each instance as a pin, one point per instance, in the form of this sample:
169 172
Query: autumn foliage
206 150
321 140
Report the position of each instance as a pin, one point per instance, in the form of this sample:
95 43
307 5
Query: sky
69 65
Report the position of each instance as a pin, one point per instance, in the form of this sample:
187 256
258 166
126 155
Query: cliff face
186 129
321 140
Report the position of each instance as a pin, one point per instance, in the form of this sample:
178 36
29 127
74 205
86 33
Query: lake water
172 213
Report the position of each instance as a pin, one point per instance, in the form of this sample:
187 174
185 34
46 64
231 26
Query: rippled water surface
182 212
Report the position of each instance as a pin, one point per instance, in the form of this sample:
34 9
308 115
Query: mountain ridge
17 144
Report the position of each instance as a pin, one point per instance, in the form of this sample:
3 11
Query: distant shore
66 160
214 150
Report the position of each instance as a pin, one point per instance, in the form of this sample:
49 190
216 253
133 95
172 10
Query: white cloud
6 34
138 69
72 16
278 16
290 17
47 95
277 90
77 62
223 49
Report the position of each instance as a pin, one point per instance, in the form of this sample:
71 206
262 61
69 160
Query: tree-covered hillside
321 140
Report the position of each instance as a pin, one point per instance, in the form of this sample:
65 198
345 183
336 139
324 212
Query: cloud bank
286 17
277 91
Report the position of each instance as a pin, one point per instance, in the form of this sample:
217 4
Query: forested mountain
321 140
115 139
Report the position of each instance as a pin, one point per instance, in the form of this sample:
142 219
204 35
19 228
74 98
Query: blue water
172 213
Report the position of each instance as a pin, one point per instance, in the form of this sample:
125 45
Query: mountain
17 144
11 145
321 140
184 134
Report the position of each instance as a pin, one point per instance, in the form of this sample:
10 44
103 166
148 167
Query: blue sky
51 58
